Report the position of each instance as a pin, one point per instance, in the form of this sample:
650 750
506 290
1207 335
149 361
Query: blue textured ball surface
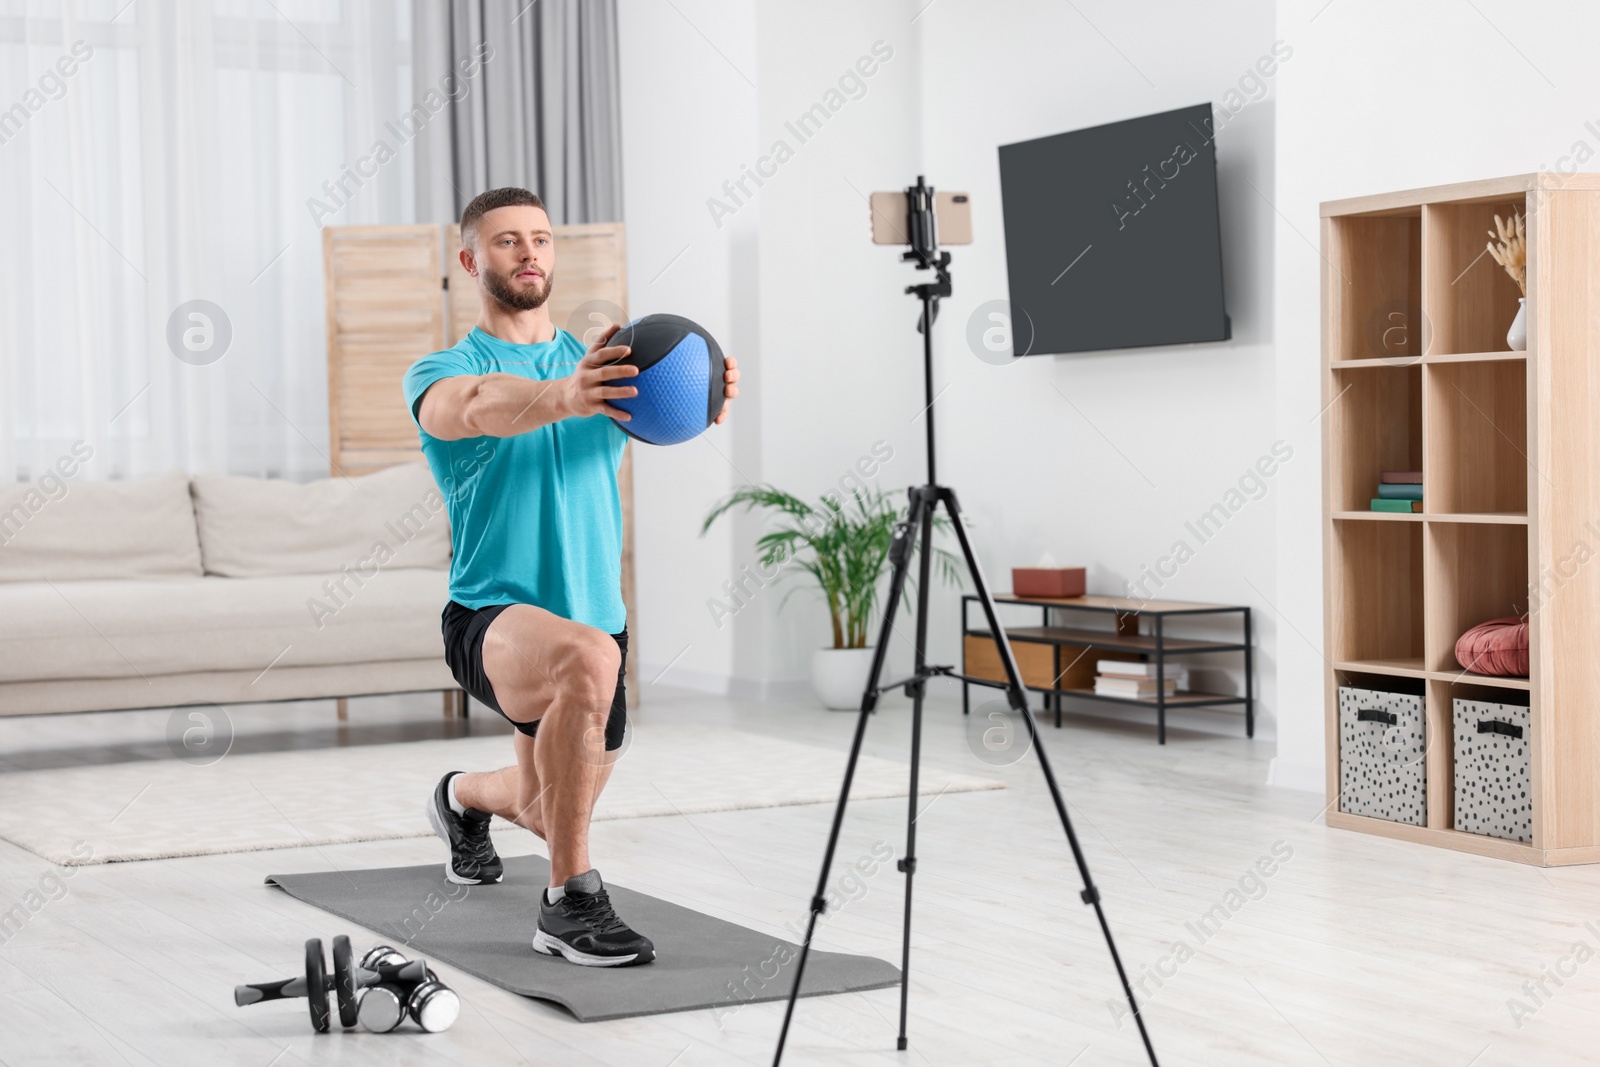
679 381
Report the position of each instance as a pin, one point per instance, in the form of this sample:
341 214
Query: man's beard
501 288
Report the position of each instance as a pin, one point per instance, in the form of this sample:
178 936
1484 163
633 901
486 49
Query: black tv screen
1112 236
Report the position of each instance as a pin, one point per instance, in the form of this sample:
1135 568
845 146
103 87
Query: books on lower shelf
1123 678
1399 491
1109 685
1125 668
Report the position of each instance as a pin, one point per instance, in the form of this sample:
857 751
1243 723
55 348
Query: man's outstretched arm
504 405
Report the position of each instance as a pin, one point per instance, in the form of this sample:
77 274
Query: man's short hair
486 202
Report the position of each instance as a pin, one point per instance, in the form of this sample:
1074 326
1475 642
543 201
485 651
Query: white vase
839 676
1517 336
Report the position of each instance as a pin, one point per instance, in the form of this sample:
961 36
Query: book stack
1399 491
1118 678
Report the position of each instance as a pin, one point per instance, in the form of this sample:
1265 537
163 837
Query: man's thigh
529 654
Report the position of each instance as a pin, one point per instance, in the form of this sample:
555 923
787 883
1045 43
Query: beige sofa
171 590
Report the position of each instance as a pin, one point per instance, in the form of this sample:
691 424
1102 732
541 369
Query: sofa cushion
72 531
125 629
254 527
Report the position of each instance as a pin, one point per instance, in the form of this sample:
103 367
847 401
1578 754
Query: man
517 427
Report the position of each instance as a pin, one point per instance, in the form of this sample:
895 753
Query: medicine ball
680 379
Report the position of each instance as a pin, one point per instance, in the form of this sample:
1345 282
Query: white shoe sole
554 946
444 835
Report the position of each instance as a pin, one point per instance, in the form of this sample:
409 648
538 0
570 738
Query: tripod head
910 218
922 224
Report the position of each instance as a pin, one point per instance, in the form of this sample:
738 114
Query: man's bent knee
586 669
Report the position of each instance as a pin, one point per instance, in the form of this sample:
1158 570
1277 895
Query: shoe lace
595 909
475 840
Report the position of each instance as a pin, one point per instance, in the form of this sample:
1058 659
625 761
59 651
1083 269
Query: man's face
516 256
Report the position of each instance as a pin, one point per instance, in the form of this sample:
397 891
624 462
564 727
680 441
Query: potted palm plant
845 548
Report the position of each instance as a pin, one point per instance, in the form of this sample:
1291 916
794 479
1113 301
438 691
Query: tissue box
1048 581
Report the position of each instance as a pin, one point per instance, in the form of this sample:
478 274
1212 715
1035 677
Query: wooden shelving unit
1417 376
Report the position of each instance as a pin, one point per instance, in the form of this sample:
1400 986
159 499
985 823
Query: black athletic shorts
463 651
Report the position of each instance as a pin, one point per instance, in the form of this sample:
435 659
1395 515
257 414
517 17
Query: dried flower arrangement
1512 250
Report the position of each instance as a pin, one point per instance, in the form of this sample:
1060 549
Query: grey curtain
517 92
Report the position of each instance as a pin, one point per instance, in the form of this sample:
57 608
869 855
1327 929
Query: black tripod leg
900 557
1019 701
908 865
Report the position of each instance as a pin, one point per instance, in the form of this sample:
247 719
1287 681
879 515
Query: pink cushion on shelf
1498 647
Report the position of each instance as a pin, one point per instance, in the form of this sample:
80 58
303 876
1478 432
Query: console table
1060 661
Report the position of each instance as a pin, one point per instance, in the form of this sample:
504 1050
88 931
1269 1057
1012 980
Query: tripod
923 501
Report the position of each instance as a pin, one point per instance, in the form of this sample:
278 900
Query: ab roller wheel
344 985
378 993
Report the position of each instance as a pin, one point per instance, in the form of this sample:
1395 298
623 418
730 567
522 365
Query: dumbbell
382 1007
432 1004
378 955
316 983
387 1010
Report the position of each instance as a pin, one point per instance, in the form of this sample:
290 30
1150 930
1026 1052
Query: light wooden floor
1356 951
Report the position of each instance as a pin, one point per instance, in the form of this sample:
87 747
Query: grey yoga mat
701 962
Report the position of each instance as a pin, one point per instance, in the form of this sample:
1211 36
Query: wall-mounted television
1112 236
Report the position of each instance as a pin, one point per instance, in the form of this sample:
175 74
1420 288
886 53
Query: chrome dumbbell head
433 1005
382 954
382 1007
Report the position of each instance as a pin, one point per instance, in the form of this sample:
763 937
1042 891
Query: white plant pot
839 676
1517 336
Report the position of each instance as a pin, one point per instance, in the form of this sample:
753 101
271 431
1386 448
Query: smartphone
952 213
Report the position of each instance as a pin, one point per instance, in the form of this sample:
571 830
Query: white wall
1101 459
842 362
781 273
839 354
688 121
1106 470
1097 459
1385 96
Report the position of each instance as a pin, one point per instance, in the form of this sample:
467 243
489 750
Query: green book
1400 492
1406 506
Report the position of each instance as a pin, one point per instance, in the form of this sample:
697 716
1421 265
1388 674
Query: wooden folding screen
397 293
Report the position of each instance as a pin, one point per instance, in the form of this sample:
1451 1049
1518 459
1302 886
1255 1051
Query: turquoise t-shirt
535 518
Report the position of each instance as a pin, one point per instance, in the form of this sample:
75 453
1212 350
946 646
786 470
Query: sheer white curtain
548 116
155 153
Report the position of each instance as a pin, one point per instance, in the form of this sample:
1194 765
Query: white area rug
139 811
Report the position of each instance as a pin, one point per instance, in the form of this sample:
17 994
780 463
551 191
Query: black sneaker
473 860
583 927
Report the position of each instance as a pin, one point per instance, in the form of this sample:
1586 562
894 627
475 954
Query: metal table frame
1114 641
